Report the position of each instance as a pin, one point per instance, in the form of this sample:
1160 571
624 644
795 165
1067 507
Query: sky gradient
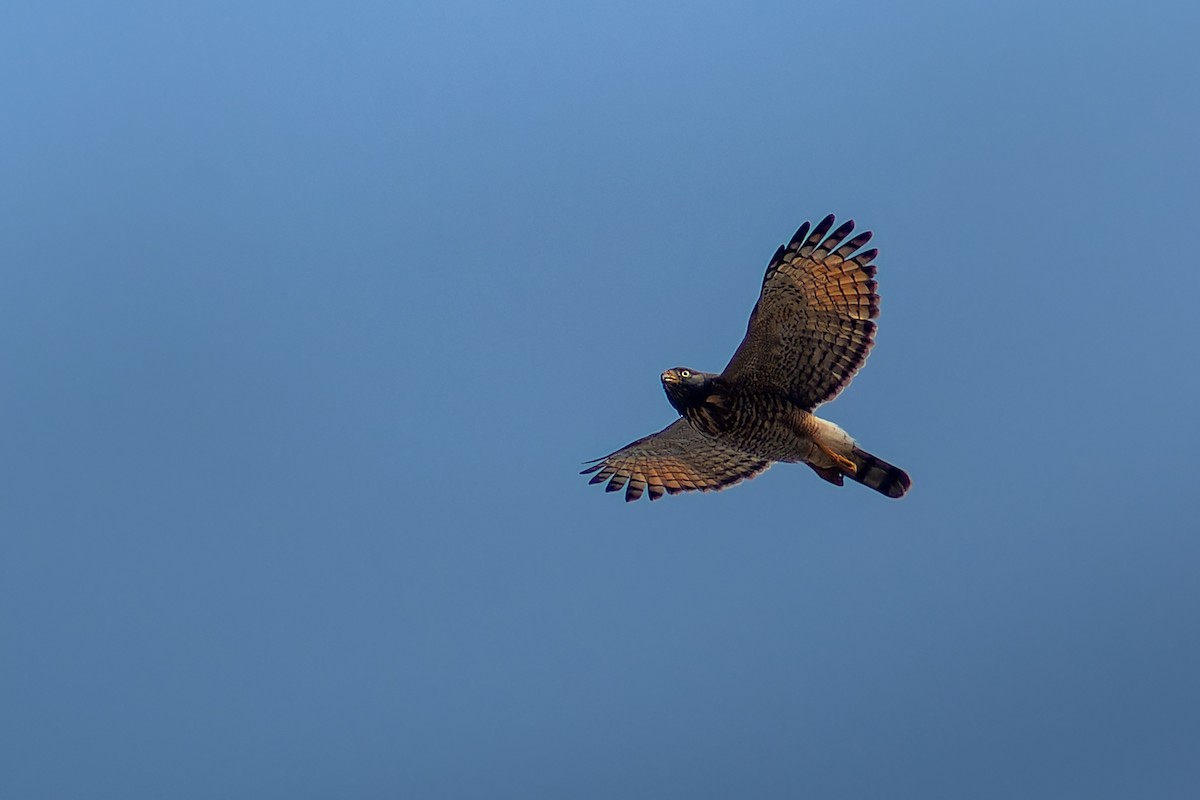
312 311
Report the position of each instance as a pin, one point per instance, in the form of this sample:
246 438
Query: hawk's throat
706 405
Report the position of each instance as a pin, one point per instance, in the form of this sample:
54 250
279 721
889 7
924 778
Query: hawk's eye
685 373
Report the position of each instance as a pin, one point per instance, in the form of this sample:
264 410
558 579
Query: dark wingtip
866 256
822 228
858 241
801 232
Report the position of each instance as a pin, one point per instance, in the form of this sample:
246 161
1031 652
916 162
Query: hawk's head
687 388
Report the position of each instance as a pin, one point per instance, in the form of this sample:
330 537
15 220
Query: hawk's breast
762 425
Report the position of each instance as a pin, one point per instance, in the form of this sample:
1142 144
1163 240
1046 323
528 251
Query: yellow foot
846 464
843 463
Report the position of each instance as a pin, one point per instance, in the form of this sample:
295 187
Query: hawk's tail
879 474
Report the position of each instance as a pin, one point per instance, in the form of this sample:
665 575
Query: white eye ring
685 373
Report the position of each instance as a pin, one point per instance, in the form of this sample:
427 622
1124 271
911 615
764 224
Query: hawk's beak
669 377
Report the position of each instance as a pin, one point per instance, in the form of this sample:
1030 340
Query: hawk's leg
846 464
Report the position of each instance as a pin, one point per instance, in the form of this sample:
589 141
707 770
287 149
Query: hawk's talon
844 464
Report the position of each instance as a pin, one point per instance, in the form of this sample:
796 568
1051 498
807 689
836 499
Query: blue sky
313 310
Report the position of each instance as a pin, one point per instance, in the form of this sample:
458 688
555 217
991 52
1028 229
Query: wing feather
677 459
812 327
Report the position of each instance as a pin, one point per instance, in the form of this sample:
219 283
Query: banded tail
879 475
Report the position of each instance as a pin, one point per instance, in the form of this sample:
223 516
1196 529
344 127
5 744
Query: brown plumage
809 333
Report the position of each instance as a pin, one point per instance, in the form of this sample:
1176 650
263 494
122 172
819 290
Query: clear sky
312 310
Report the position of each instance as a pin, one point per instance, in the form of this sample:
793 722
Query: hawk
808 334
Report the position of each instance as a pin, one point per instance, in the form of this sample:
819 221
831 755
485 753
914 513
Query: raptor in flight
809 332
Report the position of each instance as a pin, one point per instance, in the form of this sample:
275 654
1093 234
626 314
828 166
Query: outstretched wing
678 458
811 328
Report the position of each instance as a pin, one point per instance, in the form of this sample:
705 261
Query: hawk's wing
678 458
811 329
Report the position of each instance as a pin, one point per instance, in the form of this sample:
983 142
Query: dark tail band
879 474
